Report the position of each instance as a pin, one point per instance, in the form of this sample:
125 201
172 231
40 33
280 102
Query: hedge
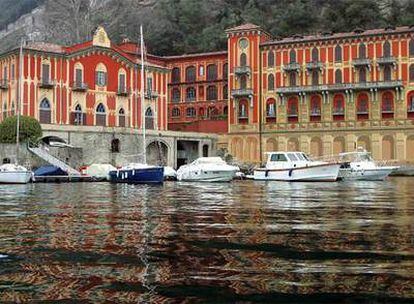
30 129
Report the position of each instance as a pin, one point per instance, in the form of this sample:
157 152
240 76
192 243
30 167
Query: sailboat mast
19 101
143 96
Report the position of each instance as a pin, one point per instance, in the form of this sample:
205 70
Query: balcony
338 112
4 84
242 93
292 67
359 62
314 65
386 60
46 84
151 94
79 86
242 70
122 92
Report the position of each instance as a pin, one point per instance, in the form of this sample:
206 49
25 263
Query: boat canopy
356 156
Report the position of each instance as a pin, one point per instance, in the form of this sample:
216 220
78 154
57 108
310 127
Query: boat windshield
300 156
292 157
356 157
278 158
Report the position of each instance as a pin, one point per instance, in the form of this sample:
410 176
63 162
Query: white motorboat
207 169
170 174
14 174
296 166
360 165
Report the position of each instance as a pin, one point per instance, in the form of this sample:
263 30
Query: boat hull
317 173
377 174
15 177
208 176
138 176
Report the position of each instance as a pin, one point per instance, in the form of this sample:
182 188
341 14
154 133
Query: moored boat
137 174
207 169
14 174
296 166
360 165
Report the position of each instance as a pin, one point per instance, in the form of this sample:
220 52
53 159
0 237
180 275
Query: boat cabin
282 160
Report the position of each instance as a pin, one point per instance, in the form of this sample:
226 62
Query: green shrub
30 129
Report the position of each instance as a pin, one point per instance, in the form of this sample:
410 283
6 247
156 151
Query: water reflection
240 242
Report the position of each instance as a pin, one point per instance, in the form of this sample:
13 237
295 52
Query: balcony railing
4 84
361 62
386 60
292 67
79 86
151 94
314 65
338 112
123 92
242 93
241 70
46 83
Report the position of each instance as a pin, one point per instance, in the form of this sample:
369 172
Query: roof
244 27
45 47
216 53
332 36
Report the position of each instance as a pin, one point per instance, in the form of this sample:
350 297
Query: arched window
386 49
338 110
271 108
271 82
78 116
411 73
338 76
362 75
243 111
212 72
315 108
387 73
315 77
243 59
225 70
362 107
78 75
411 48
292 79
176 75
338 53
191 112
101 78
387 105
212 112
212 93
149 119
122 82
225 92
121 118
292 109
201 112
100 115
225 111
243 82
292 56
45 116
315 54
115 143
176 112
190 74
190 94
270 59
176 95
410 105
362 51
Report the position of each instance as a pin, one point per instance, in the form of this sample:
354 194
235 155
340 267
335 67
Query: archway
293 144
364 142
157 153
271 145
316 148
388 148
338 145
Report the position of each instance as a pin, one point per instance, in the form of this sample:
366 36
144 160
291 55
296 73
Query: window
176 112
225 70
176 95
45 73
362 51
338 107
292 56
175 75
271 82
191 112
362 107
115 145
411 73
225 111
387 73
243 59
100 115
78 118
149 119
13 109
149 84
243 82
212 72
212 112
387 106
292 157
190 74
315 77
292 79
121 83
190 94
12 71
201 70
243 114
101 78
78 77
212 93
386 49
338 53
362 75
410 104
121 118
225 92
278 158
5 76
270 59
338 76
292 109
45 116
315 54
271 108
411 48
315 109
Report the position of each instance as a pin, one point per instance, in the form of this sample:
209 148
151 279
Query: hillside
12 10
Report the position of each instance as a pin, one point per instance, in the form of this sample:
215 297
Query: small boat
14 174
99 172
207 169
360 165
296 166
170 174
137 174
49 170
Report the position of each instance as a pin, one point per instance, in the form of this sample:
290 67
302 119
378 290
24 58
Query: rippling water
244 242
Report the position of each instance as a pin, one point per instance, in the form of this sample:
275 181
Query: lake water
243 242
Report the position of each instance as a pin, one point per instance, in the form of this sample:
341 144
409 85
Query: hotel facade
321 94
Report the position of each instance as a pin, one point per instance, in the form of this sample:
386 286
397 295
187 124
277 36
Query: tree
30 129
